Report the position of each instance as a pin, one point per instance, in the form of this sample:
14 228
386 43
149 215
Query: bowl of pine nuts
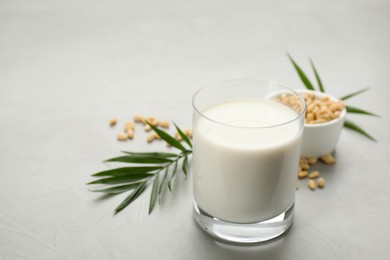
324 120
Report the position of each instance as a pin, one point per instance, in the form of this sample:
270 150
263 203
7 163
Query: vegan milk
245 159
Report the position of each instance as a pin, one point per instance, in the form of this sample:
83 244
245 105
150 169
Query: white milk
245 174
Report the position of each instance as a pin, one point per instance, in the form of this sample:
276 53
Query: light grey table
66 67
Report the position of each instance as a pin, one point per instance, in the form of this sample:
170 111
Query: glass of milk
246 146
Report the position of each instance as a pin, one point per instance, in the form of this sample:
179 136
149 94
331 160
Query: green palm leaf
185 165
118 189
123 179
301 74
172 176
167 138
320 86
163 183
129 199
127 171
151 154
137 178
154 194
183 136
356 110
354 94
350 125
139 159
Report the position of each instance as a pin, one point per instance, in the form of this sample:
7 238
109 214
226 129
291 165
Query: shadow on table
272 249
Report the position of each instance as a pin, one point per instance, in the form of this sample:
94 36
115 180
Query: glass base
244 233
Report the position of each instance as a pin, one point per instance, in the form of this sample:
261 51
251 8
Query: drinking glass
246 145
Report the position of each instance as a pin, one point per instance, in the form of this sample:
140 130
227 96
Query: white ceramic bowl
321 139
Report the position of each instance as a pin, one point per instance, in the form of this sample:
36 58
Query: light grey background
66 67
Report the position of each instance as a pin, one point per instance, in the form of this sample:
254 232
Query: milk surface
245 169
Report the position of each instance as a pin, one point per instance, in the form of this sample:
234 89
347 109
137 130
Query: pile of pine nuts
318 109
321 110
289 100
314 179
129 128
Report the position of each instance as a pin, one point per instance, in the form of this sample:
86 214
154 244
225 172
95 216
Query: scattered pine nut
302 174
312 160
150 138
147 128
154 122
138 119
178 136
164 124
112 121
128 125
129 128
311 184
188 132
151 120
328 159
304 164
314 174
130 133
321 183
121 137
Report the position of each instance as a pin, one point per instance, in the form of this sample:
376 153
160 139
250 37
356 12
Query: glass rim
254 80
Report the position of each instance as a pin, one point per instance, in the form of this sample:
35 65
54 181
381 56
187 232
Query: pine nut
138 119
128 125
130 133
336 114
333 107
311 184
112 121
302 174
305 166
310 116
154 122
121 137
147 128
150 138
328 159
303 163
178 136
164 124
316 109
321 183
314 174
188 132
150 119
324 98
312 160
